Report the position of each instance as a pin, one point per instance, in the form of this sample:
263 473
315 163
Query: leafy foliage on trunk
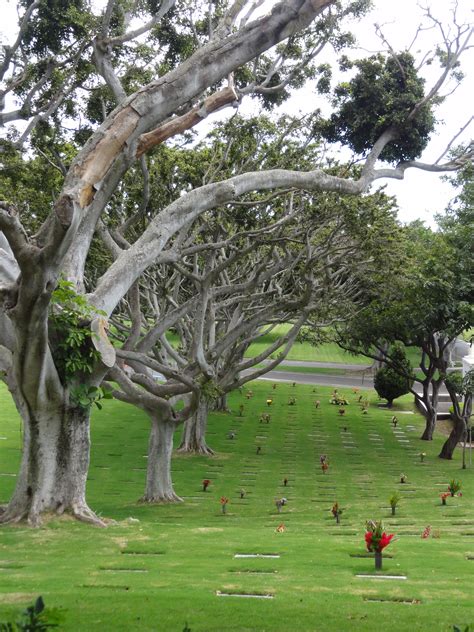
71 335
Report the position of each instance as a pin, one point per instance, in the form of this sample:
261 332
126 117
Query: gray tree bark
457 434
194 432
431 404
221 404
159 486
54 466
461 415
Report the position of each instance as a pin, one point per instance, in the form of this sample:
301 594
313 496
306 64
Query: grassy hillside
328 352
170 564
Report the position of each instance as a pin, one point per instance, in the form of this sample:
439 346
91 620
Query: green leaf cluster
54 23
391 384
70 333
461 385
84 396
209 390
35 618
394 499
382 95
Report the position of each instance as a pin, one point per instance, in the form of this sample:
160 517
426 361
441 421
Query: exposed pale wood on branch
182 123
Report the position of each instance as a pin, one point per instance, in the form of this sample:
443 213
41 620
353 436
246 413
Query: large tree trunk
56 442
193 439
54 466
159 486
221 403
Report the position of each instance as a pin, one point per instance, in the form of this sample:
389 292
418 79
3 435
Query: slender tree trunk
159 486
458 433
460 418
430 415
430 402
430 424
194 432
54 466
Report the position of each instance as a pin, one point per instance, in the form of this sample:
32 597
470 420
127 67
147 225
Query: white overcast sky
423 194
420 195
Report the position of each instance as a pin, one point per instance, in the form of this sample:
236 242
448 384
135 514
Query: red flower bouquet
375 537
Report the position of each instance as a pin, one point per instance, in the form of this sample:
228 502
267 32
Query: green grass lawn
167 569
328 352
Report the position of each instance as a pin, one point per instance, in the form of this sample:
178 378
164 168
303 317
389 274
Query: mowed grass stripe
188 549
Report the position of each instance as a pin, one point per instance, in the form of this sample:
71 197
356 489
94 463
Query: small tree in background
459 387
389 383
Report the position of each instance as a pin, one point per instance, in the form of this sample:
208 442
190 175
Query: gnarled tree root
170 497
203 450
83 513
80 511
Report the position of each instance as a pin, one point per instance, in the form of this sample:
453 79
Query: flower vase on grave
378 560
376 540
393 510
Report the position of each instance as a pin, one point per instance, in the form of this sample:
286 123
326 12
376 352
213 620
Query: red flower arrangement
224 501
324 466
444 496
205 484
375 537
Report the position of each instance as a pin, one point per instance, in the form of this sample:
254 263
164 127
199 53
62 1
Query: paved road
358 379
327 365
351 381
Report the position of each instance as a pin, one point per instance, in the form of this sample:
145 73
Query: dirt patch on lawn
207 530
17 597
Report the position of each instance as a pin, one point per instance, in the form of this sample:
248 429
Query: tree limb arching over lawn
73 56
